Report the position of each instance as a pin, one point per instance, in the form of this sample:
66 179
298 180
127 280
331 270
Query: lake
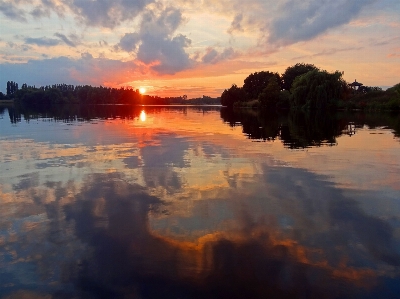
198 202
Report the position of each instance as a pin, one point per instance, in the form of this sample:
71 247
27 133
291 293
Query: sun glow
142 90
142 116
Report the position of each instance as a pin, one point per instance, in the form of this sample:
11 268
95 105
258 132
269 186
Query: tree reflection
70 113
306 130
256 125
298 129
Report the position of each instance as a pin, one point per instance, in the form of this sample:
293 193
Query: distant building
355 85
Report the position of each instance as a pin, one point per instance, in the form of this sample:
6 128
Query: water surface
196 202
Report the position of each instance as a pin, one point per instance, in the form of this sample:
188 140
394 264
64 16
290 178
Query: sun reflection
142 116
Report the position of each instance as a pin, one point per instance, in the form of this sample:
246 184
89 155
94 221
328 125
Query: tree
317 89
269 97
12 87
255 83
232 95
294 71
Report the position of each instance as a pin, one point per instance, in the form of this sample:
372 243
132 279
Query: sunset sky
172 48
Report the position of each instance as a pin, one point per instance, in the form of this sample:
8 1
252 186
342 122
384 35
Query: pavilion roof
355 83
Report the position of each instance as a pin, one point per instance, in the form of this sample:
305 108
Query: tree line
85 94
307 87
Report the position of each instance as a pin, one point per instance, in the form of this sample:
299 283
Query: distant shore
7 101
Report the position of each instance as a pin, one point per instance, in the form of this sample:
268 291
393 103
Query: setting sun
142 90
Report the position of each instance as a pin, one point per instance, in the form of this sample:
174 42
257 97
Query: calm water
186 202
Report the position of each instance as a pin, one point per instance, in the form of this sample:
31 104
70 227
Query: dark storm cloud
12 12
42 41
298 21
156 43
107 13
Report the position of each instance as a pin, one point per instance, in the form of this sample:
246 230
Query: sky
194 48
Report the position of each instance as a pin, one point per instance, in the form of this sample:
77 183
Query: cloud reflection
206 221
250 262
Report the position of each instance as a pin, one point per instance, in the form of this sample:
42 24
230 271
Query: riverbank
6 102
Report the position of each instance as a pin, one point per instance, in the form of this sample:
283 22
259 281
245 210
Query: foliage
317 90
374 100
255 83
366 89
284 100
247 104
292 72
232 95
270 94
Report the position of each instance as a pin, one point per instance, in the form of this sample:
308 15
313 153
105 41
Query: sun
142 90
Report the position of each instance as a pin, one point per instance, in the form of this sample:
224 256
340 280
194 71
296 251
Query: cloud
18 47
39 12
42 41
71 41
156 44
101 13
66 40
284 22
212 56
12 12
129 42
299 21
235 25
53 5
168 54
328 52
107 13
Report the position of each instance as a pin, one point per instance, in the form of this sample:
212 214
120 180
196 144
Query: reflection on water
298 129
142 115
156 202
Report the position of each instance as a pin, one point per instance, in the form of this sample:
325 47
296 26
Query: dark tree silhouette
232 95
255 83
294 71
12 88
269 97
317 89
